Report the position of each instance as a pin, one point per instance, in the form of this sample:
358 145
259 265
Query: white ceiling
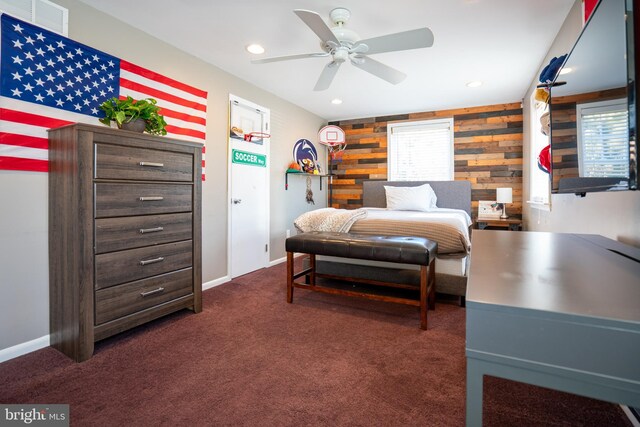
499 42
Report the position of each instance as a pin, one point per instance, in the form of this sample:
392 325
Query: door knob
236 201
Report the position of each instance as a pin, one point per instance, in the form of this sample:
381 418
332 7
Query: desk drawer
133 264
141 199
116 234
119 162
118 301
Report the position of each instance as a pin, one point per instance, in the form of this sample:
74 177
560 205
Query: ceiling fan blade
327 75
378 69
317 25
288 57
412 39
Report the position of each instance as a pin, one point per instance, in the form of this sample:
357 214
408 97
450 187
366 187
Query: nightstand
513 224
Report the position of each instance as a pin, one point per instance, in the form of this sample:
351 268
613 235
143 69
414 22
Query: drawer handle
155 291
151 230
151 261
151 164
151 198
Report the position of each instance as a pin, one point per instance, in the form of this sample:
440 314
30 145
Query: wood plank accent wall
487 145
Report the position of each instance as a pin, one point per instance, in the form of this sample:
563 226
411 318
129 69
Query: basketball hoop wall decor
334 139
247 124
255 137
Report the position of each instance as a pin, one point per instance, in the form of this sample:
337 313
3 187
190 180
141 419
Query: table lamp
503 196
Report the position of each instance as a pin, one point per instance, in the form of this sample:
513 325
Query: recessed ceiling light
474 83
566 70
336 101
256 49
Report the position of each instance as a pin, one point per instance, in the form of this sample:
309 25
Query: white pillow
420 198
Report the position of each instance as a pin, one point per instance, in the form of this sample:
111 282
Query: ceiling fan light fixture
340 55
336 101
255 49
346 36
340 15
341 43
475 83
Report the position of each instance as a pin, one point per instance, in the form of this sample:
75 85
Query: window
539 184
420 151
603 139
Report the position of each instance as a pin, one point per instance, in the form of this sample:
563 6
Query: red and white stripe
184 107
23 133
23 125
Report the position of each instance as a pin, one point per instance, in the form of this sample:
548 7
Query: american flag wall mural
47 80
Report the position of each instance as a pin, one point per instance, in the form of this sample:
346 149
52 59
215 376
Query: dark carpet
251 359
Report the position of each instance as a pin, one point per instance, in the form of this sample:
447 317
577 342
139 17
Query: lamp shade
503 195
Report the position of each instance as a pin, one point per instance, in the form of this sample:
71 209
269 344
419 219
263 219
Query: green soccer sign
246 158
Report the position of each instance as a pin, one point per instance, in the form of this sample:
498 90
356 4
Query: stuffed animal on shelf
308 165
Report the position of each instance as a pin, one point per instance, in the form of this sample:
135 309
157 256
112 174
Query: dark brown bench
398 249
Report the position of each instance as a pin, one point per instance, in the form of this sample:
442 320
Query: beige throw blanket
328 219
451 240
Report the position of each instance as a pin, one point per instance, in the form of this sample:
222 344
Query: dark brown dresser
124 232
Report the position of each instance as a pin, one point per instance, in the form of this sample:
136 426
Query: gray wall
614 215
24 312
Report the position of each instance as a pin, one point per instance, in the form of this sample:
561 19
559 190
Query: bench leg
289 277
423 296
432 285
312 265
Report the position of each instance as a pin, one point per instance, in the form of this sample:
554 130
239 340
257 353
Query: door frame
234 98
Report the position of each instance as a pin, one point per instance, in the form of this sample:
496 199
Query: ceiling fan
342 43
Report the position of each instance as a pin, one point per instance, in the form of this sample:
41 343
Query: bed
449 225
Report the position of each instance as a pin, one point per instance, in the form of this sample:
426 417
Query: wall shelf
286 177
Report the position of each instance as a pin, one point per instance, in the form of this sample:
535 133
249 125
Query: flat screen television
593 106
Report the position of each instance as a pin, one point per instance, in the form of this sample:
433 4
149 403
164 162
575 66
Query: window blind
604 140
421 151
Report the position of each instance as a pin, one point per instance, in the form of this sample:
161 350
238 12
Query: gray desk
556 310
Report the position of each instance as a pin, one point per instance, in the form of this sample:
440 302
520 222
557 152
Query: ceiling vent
39 12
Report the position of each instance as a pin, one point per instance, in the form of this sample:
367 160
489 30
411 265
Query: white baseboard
629 414
24 348
283 259
277 261
217 282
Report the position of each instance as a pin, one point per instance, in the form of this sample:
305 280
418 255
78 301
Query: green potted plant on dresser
135 115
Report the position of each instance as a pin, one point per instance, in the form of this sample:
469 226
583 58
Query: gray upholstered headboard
451 194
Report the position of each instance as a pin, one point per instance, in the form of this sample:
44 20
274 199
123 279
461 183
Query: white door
249 165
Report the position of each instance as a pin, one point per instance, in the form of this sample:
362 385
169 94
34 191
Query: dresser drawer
124 266
119 162
112 199
118 301
116 234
